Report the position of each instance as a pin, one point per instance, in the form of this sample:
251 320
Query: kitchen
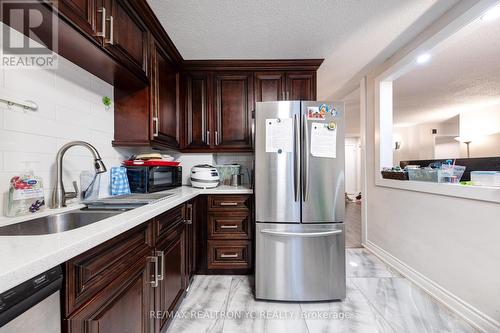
140 88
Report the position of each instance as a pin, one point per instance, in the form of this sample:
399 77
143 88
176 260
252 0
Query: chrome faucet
59 195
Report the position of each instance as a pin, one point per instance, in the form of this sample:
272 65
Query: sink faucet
59 195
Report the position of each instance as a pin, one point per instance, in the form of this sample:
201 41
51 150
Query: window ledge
482 193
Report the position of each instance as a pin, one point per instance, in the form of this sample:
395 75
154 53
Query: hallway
353 224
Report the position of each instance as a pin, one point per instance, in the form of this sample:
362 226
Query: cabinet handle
216 138
233 255
103 22
111 31
189 220
233 226
228 204
154 260
208 138
161 255
155 126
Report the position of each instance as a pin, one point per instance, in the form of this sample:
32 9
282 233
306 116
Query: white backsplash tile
190 160
28 143
70 108
245 160
20 161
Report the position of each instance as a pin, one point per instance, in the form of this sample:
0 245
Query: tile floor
378 300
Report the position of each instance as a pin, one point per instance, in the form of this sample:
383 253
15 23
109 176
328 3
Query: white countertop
23 257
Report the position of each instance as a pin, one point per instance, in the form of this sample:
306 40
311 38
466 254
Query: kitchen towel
119 181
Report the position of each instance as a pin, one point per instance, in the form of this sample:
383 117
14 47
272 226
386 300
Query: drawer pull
229 204
161 256
233 255
233 226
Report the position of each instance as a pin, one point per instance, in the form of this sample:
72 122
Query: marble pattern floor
378 300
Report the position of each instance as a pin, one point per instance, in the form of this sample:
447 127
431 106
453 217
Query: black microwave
148 179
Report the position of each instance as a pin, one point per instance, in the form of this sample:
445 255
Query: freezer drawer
297 262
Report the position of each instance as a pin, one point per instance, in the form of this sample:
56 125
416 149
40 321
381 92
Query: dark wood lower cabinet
170 250
134 282
226 235
121 306
130 283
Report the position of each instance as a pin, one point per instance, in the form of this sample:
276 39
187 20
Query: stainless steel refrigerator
300 201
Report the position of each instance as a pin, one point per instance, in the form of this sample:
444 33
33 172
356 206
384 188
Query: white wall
446 147
452 242
486 146
70 108
482 127
418 142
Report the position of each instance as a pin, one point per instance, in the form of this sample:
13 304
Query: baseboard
472 315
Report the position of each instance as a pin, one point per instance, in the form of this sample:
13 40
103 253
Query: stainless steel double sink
56 223
95 211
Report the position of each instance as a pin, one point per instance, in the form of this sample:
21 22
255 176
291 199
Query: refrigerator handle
305 158
296 161
301 234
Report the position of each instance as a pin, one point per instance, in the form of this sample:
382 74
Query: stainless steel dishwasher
34 305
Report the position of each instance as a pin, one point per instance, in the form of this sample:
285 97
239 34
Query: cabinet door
196 88
172 268
87 15
233 110
164 98
269 86
190 241
127 36
301 86
123 306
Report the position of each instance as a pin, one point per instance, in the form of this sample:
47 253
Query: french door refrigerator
300 201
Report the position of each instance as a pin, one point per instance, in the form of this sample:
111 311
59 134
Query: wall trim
468 312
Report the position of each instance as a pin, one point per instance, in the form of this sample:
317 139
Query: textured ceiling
278 29
463 75
384 30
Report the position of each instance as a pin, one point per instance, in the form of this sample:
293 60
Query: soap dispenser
26 193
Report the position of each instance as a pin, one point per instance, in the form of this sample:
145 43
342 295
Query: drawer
166 224
229 254
90 272
229 225
228 202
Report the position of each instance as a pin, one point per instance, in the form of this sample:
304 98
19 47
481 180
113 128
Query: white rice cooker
204 176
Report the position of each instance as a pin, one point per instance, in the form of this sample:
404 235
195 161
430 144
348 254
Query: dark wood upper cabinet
164 98
233 110
114 26
85 14
198 134
301 86
269 86
126 35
